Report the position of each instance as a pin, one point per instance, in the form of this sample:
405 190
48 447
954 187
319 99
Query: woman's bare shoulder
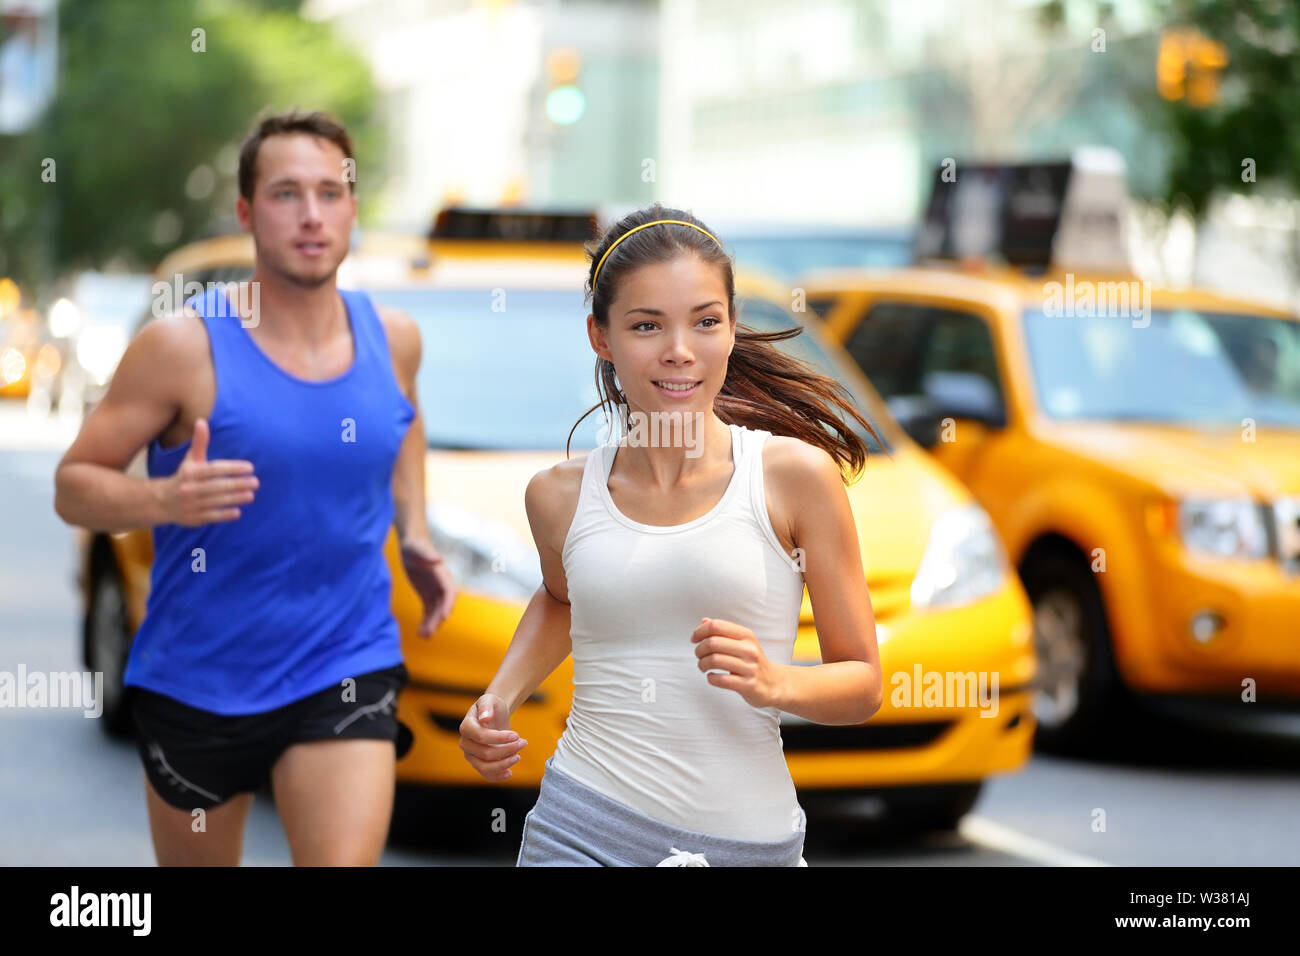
796 474
794 463
551 498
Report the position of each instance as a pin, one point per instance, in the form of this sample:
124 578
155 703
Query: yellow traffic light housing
1188 65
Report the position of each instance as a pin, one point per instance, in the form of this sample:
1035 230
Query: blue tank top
294 595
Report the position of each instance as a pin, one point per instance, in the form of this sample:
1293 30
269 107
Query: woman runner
674 571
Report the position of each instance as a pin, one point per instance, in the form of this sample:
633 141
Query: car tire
107 644
1078 689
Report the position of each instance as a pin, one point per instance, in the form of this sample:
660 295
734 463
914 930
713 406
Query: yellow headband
657 222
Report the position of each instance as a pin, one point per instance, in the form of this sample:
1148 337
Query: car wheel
107 645
1076 690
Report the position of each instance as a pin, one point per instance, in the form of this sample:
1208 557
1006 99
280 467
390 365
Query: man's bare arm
143 398
408 471
424 566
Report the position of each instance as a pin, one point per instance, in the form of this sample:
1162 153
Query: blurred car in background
20 331
17 358
784 250
1138 450
510 375
97 318
787 250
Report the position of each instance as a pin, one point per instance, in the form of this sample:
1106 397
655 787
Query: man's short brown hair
314 124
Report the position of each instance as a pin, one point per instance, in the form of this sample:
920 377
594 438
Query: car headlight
483 555
99 348
13 366
1223 527
963 560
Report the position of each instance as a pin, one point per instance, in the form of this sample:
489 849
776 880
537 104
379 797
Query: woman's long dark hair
764 388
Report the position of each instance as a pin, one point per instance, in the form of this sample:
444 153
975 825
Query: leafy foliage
146 123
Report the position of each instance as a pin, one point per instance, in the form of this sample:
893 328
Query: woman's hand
733 648
490 746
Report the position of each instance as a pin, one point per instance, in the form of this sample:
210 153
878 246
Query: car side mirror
916 415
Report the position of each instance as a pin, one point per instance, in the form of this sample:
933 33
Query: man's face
302 211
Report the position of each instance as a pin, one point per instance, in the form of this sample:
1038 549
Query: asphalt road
1174 792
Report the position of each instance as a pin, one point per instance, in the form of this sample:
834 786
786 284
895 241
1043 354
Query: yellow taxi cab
15 371
1138 449
507 371
18 342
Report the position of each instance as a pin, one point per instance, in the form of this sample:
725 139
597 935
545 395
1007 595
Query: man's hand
428 574
722 645
205 492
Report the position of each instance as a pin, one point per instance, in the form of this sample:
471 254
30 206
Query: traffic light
1188 66
565 102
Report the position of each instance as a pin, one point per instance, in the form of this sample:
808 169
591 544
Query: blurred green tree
1233 120
138 151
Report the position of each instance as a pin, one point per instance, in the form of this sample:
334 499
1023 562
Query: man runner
283 442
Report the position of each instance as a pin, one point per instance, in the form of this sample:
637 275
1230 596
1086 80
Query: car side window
959 342
887 345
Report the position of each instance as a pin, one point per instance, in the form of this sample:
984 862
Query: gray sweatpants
573 825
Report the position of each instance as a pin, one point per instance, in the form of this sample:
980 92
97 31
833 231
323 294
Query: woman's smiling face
669 336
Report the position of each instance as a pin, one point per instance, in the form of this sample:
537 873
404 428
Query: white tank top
646 728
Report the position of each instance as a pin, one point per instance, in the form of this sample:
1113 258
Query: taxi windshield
513 369
790 256
1186 366
502 368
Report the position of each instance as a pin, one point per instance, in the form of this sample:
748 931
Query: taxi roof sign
1062 214
513 225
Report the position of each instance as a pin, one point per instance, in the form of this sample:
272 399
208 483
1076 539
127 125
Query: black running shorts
197 759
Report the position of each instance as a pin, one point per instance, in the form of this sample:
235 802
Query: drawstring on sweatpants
682 858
